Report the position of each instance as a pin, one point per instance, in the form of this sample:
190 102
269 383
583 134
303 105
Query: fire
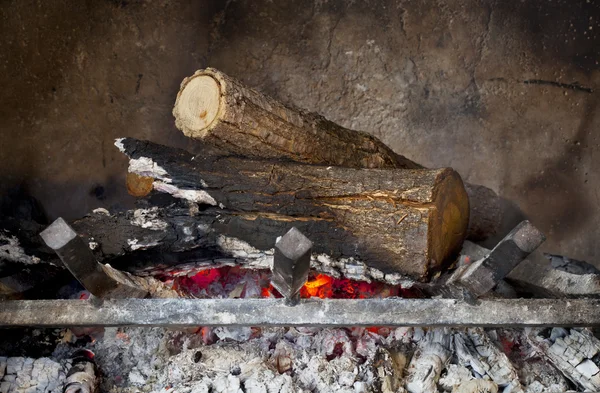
321 286
206 277
237 282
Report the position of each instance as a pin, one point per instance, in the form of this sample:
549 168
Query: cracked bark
222 111
410 222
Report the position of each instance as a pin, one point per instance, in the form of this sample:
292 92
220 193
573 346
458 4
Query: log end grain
449 221
198 104
137 185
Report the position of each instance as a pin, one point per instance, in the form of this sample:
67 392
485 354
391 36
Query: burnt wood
410 222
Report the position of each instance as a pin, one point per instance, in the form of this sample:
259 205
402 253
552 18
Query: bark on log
222 111
397 221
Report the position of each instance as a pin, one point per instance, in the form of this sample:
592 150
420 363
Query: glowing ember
204 278
320 286
234 282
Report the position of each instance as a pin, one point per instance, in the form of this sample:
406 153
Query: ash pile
317 360
288 254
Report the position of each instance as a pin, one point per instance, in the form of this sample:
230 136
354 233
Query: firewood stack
359 202
264 168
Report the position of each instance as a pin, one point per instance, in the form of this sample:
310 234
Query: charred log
410 222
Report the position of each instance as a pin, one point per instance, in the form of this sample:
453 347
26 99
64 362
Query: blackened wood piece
536 276
221 110
403 221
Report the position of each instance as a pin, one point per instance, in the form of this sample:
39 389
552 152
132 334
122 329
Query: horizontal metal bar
310 312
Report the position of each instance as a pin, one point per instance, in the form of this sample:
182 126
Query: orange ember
320 286
221 282
235 282
206 277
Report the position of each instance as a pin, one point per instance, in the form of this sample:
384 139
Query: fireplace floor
302 360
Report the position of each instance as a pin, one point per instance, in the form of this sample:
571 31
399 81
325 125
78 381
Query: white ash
101 210
454 377
476 386
11 250
574 352
145 166
431 357
537 375
134 244
119 144
242 250
148 218
282 360
28 375
475 349
197 196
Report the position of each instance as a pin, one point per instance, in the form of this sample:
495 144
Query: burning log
397 221
222 111
177 240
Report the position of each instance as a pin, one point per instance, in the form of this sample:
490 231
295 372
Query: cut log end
450 219
198 104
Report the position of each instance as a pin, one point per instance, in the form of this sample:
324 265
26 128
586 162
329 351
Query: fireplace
368 197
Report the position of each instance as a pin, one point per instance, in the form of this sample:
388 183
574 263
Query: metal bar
309 312
291 264
77 257
483 275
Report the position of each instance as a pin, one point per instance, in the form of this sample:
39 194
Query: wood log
410 222
221 110
180 240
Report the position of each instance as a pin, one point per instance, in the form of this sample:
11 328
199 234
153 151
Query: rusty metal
310 312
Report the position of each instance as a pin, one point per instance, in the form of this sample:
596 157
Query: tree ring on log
451 209
198 104
137 185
